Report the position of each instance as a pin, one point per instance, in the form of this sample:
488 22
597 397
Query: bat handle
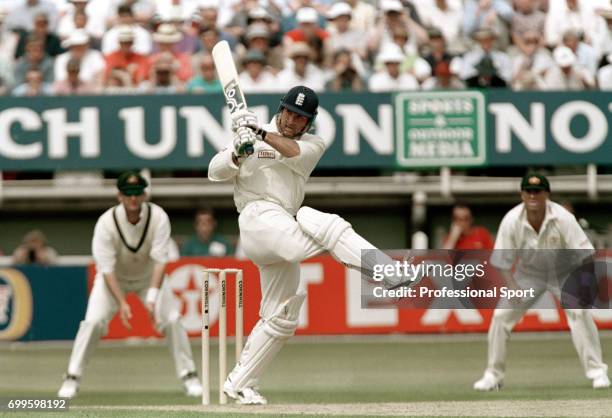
247 149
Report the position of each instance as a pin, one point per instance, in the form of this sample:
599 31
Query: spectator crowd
66 47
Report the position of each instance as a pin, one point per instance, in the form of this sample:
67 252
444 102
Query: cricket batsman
535 225
130 249
275 231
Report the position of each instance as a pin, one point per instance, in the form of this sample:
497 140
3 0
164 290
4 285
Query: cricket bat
228 76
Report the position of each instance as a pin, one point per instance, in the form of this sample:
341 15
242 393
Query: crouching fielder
130 249
275 232
525 235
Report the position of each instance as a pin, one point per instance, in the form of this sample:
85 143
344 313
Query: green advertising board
41 303
549 128
440 129
404 131
175 131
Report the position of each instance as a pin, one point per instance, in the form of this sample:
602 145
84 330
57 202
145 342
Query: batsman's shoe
192 384
246 396
488 382
601 382
69 388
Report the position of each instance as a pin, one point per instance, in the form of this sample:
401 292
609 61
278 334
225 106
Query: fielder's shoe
488 382
601 382
69 388
192 384
246 396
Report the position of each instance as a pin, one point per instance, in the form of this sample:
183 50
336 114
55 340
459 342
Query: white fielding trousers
582 327
101 308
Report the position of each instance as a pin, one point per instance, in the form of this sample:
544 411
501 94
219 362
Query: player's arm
508 278
113 286
104 255
309 151
503 257
125 312
312 149
453 236
157 277
223 166
582 253
287 147
159 253
159 270
576 238
588 283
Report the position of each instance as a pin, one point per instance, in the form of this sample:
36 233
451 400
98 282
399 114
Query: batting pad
284 321
265 341
341 240
259 351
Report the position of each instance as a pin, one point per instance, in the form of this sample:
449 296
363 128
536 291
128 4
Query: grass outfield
335 377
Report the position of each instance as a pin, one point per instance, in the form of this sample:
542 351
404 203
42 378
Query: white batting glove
244 117
243 141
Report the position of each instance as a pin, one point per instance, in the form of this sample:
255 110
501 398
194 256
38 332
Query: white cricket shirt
129 250
267 175
559 231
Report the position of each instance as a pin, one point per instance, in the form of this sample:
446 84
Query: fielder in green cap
539 224
535 191
131 183
130 247
535 182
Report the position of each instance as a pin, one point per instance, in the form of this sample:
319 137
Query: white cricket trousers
582 327
101 308
273 240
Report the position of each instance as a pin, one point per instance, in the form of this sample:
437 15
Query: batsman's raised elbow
221 167
216 178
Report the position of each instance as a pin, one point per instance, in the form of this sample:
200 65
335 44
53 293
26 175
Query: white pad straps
259 351
265 341
336 235
339 238
284 321
325 228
